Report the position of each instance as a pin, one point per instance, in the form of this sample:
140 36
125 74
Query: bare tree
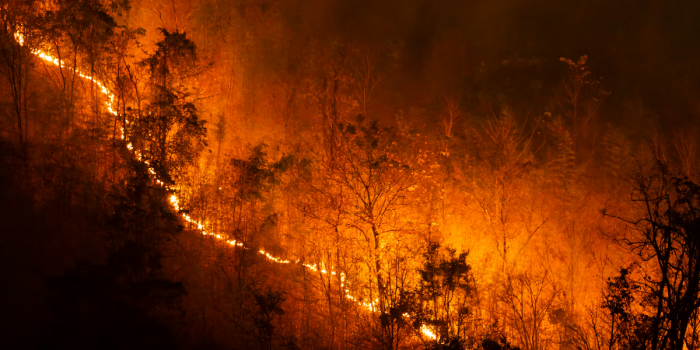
665 237
15 39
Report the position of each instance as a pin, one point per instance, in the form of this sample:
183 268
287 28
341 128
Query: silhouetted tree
444 294
618 298
168 131
269 308
17 21
666 234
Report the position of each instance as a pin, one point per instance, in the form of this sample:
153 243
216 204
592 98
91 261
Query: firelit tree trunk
666 234
375 170
15 65
169 131
579 99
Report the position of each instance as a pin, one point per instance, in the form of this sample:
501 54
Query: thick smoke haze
644 50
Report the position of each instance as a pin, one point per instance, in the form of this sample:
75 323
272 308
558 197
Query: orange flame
174 200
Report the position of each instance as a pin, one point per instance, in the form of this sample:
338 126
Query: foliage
168 130
444 294
269 307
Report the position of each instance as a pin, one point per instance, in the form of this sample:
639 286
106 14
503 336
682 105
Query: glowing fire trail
174 201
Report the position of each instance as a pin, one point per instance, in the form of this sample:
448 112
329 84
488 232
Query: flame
20 38
174 200
427 332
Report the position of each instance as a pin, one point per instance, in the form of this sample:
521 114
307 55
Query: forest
350 174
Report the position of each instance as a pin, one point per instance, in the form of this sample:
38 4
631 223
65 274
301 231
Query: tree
269 307
363 194
529 300
618 299
75 28
168 131
16 38
665 235
580 97
502 188
444 294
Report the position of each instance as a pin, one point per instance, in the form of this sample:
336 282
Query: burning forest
335 174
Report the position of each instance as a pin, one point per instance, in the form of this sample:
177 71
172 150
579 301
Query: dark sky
646 51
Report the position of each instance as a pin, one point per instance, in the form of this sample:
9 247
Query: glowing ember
427 332
20 38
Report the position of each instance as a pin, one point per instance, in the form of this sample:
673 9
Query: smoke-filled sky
645 52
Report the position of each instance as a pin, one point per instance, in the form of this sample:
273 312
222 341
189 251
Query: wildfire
427 332
20 38
174 200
